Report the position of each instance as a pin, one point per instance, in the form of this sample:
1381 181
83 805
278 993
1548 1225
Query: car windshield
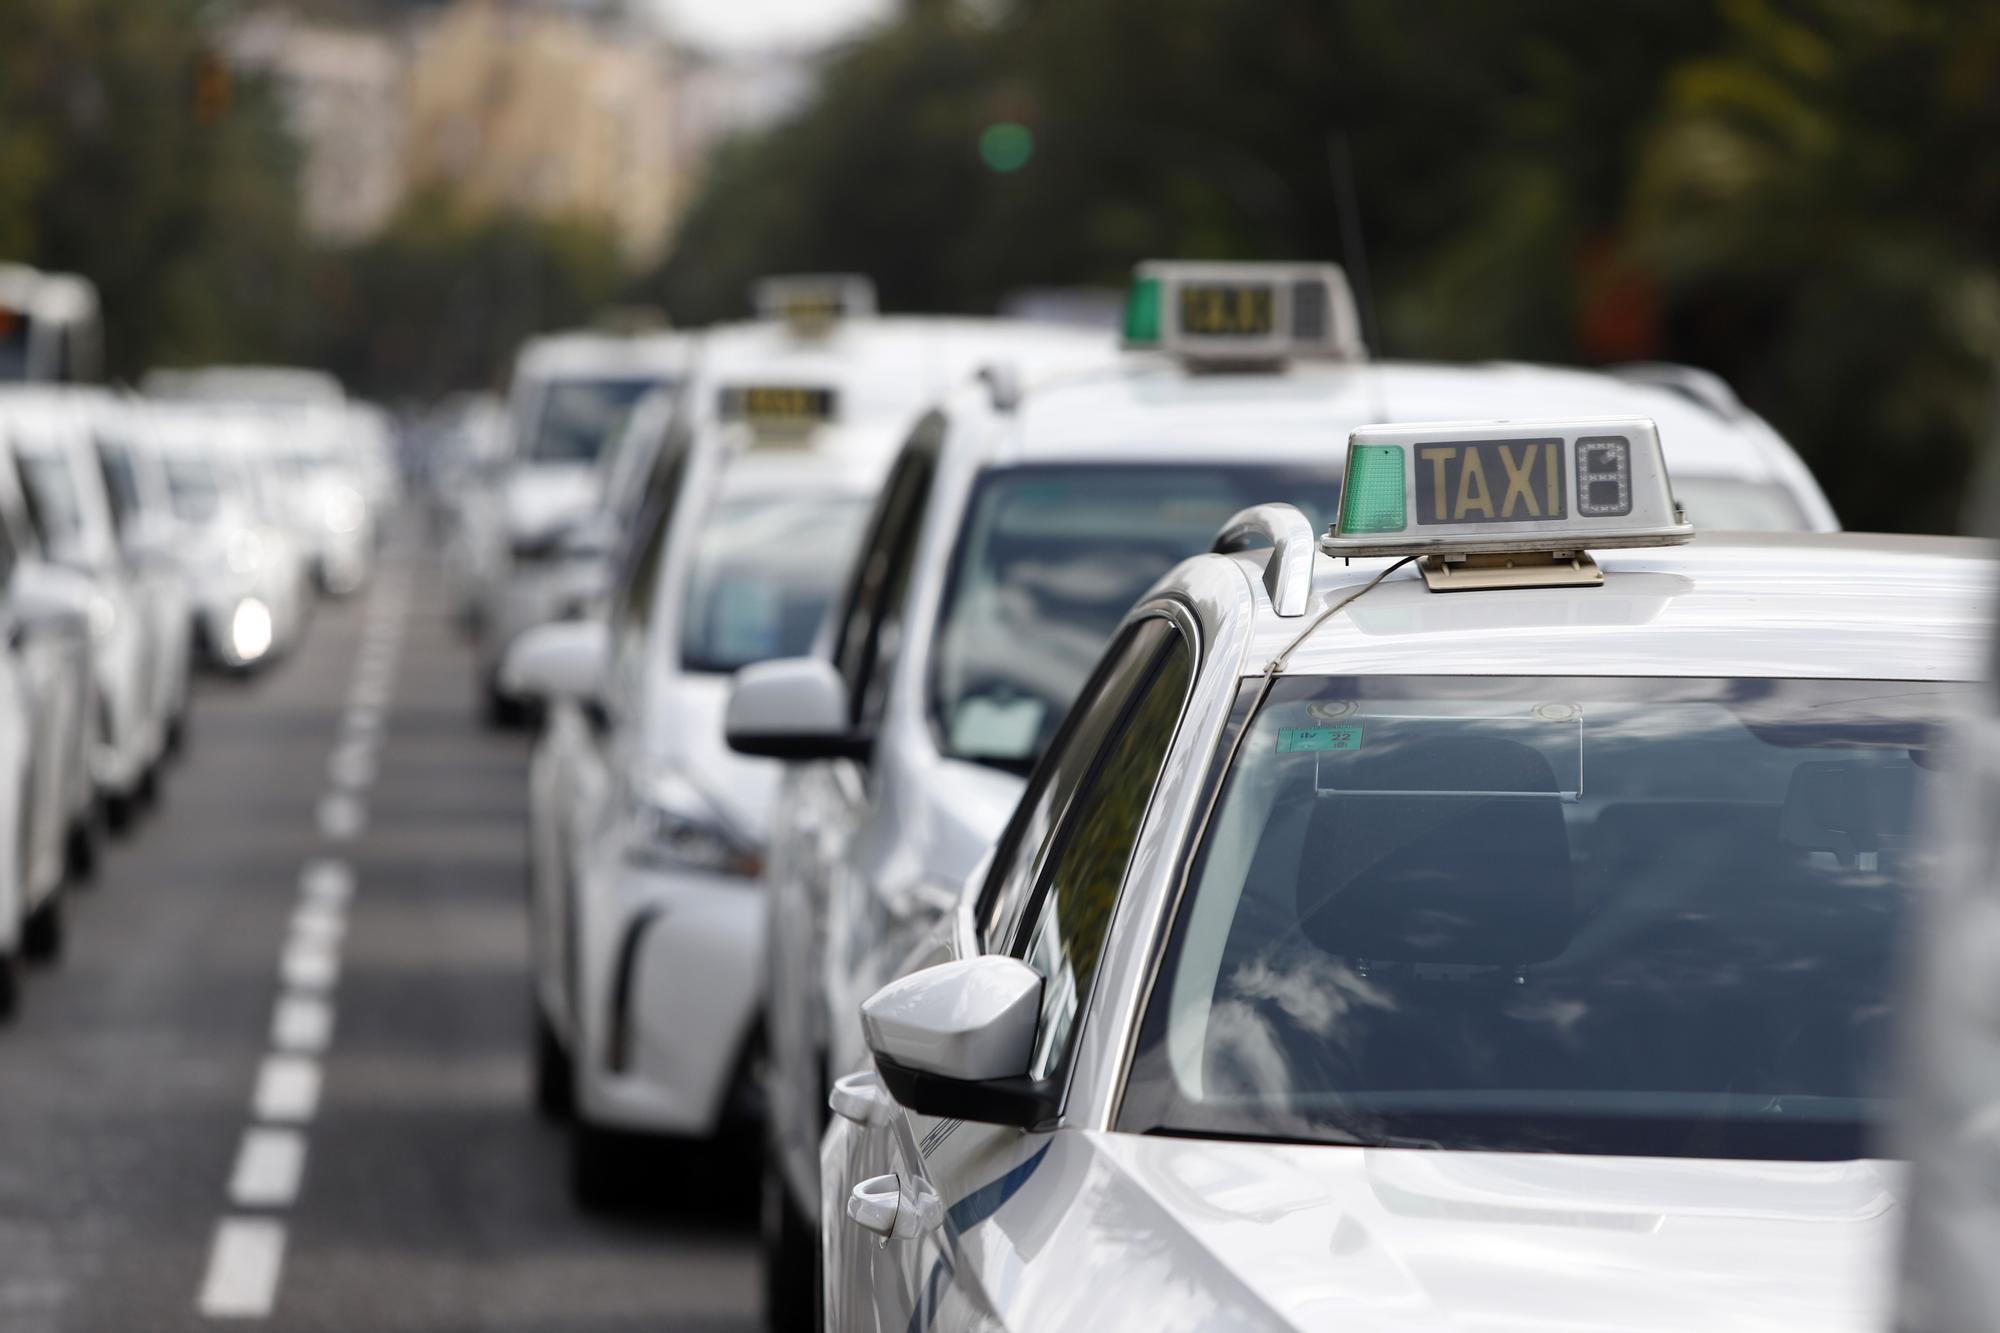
50 488
1049 558
581 417
193 488
1638 917
121 481
1718 504
765 569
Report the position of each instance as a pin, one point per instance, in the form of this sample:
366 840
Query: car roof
890 366
1150 405
560 355
1828 605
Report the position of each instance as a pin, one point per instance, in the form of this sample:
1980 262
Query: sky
750 25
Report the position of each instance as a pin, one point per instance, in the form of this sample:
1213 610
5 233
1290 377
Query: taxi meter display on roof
1243 312
777 406
812 303
1505 486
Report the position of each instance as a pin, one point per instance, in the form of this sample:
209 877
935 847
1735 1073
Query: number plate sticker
1302 740
1491 481
1227 310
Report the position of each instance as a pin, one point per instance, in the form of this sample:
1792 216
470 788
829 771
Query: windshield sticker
1300 740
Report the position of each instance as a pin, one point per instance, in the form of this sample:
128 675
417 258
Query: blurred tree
1821 201
440 300
1799 194
128 155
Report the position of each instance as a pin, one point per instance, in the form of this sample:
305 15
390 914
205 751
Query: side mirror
592 538
956 1040
565 660
792 708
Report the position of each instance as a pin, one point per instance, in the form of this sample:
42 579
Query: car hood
1400 1240
540 497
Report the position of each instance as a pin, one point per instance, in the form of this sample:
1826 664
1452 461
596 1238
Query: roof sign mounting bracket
1511 569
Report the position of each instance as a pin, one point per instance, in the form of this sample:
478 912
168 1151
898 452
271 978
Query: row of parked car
141 534
802 600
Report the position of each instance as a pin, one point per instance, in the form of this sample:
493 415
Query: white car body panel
1082 1224
863 870
695 988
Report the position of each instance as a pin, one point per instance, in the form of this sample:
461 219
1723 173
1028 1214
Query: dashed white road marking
301 1024
341 816
269 1166
287 1089
243 1265
352 765
327 881
246 1257
310 965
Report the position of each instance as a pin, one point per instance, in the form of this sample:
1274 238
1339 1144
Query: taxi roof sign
810 304
1465 489
1243 313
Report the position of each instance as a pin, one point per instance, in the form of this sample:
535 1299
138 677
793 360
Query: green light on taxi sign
1142 313
1371 494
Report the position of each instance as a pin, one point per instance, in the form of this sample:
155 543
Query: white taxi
1014 534
646 832
1493 925
572 394
48 434
248 574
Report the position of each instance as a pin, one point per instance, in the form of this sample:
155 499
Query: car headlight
344 510
244 550
675 827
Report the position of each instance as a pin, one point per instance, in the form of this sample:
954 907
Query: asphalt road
185 1142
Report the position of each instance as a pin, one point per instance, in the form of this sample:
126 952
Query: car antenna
1354 256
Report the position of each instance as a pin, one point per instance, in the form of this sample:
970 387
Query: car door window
870 627
1024 846
1094 840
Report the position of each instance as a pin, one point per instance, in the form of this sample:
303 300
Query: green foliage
1800 194
440 300
109 168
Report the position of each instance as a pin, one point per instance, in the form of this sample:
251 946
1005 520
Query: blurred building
556 108
343 96
550 110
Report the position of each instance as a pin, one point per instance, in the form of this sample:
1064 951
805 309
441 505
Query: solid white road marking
243 1265
301 1024
269 1166
287 1089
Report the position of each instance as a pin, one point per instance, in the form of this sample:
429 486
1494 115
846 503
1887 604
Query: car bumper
672 976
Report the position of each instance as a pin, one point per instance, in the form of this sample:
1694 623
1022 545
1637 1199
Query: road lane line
246 1257
327 880
301 1024
352 765
310 965
243 1265
341 816
287 1089
269 1166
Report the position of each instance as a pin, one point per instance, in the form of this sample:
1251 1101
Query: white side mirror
566 660
969 1020
791 708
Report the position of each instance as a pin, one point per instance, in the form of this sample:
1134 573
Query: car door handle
859 1098
878 1206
